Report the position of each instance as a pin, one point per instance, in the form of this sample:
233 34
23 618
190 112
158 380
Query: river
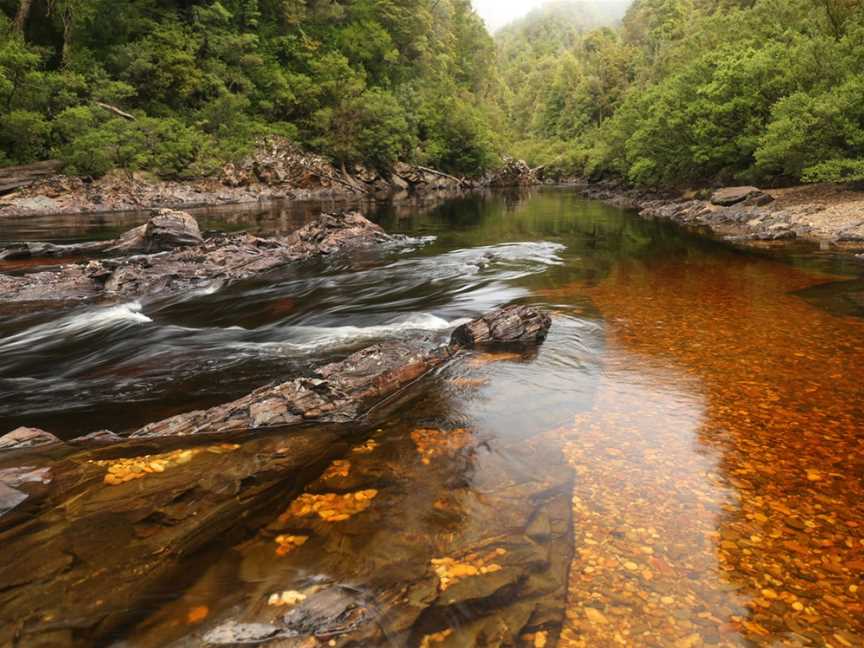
680 464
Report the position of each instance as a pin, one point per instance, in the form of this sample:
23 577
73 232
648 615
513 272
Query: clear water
680 464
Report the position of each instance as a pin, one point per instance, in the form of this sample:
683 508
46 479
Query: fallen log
116 111
175 259
459 181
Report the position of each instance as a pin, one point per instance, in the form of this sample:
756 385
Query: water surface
680 464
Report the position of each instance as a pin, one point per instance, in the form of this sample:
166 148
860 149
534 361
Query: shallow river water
680 464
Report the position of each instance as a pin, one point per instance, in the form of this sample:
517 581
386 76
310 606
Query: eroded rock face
188 265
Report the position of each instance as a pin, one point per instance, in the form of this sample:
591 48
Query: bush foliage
693 91
365 80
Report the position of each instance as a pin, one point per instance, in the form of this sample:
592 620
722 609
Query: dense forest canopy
660 92
371 80
692 91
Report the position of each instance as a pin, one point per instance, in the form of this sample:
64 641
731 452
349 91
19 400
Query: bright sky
498 13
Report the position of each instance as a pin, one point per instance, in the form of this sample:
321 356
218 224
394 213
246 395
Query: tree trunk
22 15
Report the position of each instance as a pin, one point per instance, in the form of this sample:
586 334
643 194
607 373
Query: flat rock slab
734 195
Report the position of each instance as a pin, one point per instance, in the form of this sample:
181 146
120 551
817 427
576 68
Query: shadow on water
678 465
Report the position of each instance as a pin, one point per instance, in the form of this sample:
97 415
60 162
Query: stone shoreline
827 215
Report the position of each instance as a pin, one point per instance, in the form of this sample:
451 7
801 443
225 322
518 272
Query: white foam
75 324
314 337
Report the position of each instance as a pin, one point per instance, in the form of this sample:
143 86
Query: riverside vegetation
678 92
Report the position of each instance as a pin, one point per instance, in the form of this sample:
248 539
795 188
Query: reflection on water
679 465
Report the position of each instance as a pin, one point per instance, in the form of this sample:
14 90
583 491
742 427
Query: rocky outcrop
745 215
345 390
15 177
185 265
335 393
277 170
742 221
93 536
513 173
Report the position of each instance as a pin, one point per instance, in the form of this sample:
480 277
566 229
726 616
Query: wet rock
167 230
734 195
337 392
12 478
32 250
221 258
10 498
25 437
345 390
330 612
334 233
102 436
511 324
231 633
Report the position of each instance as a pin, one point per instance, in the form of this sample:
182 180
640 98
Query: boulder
514 324
734 195
167 230
25 437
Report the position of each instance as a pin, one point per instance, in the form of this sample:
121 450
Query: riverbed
680 464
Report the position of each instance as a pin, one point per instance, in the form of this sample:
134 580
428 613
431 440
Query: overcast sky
498 13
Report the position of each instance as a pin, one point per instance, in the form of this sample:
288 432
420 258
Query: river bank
831 216
277 171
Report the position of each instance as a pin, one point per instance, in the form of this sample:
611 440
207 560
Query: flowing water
680 464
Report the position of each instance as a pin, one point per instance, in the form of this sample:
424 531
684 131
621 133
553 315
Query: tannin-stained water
680 464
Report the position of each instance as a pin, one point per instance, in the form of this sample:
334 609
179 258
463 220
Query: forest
657 92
